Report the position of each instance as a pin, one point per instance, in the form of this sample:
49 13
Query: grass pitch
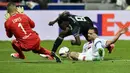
117 62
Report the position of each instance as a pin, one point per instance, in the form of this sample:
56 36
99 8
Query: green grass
117 62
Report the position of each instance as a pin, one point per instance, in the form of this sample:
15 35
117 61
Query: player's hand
7 15
124 30
20 9
51 23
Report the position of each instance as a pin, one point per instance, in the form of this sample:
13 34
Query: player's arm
8 32
51 23
31 22
99 47
122 31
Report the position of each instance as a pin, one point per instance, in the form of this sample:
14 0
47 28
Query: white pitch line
25 61
118 60
18 61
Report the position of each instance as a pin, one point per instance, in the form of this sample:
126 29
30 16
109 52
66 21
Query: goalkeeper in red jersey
20 26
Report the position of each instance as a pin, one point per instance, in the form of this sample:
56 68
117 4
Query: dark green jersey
77 24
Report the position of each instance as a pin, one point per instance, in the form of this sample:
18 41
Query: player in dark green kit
71 25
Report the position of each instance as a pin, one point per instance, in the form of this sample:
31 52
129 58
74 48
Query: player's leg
40 50
46 53
86 56
17 48
79 56
47 56
73 55
59 40
43 52
57 43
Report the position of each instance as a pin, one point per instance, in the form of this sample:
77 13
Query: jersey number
20 25
80 18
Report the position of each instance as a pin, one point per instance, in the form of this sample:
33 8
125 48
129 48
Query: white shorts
86 56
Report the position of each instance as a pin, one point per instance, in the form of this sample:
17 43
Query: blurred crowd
29 3
43 4
123 4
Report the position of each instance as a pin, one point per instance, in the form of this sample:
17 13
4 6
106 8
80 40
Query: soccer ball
63 51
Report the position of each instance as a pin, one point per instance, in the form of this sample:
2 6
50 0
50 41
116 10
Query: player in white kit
94 50
90 50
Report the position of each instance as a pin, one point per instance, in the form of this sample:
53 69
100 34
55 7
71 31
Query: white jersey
86 47
90 50
98 44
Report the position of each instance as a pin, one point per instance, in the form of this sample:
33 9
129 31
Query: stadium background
107 21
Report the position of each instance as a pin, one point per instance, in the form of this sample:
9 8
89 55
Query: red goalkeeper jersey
20 25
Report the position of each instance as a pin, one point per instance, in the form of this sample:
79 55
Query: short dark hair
64 16
11 6
95 29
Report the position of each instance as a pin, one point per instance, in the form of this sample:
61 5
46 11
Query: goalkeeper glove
20 9
7 15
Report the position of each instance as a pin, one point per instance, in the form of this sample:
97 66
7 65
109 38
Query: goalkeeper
20 25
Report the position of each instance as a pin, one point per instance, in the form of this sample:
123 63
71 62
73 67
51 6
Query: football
63 51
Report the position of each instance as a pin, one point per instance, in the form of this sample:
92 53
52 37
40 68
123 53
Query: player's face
91 34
